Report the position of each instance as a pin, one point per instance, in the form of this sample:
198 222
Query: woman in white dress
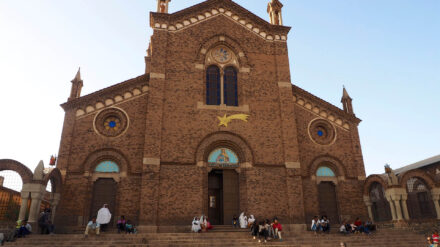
251 220
196 225
243 221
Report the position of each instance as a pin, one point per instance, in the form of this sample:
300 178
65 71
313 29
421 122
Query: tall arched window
230 87
213 86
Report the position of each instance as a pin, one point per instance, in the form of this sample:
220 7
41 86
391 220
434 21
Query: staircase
226 237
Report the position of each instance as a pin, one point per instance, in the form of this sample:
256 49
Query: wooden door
327 201
215 197
104 192
231 201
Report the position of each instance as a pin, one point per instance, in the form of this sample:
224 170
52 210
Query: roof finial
162 6
274 9
77 76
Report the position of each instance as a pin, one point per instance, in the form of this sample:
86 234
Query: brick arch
55 177
371 180
229 42
106 154
24 172
224 139
429 181
332 162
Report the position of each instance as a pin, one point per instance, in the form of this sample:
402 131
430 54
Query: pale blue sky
387 54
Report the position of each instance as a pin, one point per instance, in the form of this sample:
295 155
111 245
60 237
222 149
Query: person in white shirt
316 224
92 226
196 225
104 217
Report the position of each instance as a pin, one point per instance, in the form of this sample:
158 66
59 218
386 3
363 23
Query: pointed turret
77 84
162 6
346 102
274 9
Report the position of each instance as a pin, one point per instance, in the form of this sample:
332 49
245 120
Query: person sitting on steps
92 226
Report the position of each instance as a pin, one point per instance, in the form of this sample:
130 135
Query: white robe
104 216
196 225
251 219
243 221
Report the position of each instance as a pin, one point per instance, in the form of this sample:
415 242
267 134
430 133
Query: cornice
139 83
210 9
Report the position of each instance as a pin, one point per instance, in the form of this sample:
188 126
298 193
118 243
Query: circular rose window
111 122
322 132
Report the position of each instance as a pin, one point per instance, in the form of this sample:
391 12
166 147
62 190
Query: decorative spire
274 9
77 84
162 6
346 102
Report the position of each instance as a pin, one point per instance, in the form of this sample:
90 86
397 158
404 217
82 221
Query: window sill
222 107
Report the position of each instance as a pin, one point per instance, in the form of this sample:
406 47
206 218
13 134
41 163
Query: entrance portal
327 201
104 192
223 196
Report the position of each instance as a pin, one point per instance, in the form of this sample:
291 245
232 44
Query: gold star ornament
225 120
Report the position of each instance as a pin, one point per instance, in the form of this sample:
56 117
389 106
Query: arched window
213 85
420 204
324 171
230 87
107 167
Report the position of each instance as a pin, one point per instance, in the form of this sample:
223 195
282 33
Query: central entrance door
327 201
223 196
104 192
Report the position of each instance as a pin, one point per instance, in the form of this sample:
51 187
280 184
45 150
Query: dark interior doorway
104 192
223 196
327 201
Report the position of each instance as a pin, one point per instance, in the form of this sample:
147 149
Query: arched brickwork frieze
418 174
106 154
222 40
24 172
56 179
224 139
374 179
329 161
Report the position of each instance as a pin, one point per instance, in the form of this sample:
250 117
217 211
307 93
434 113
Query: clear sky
386 53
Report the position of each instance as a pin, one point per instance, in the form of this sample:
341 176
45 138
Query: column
35 205
435 198
393 210
24 204
370 212
55 200
396 200
405 207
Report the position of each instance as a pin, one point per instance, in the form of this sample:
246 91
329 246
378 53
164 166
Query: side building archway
419 202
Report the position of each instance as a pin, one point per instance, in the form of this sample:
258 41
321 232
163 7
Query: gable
196 14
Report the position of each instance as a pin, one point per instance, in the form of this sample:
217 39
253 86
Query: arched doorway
223 186
420 204
104 188
380 206
327 194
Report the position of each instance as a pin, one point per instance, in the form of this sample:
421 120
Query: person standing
104 217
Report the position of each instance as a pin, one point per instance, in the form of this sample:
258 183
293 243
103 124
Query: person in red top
358 224
278 229
435 237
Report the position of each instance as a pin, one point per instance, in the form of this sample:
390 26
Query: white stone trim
157 75
151 161
292 165
282 84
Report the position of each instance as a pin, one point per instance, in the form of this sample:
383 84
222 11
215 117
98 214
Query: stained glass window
107 166
324 171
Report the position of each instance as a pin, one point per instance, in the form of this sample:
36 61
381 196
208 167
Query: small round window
111 122
322 132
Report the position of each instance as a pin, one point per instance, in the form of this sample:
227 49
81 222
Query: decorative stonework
322 132
111 122
178 26
322 113
112 101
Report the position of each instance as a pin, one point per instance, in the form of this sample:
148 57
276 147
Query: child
278 228
435 237
129 228
121 224
235 221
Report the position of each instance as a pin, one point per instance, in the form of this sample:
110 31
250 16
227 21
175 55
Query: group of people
262 230
201 224
322 225
434 239
99 224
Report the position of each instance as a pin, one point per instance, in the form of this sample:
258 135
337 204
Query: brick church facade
214 126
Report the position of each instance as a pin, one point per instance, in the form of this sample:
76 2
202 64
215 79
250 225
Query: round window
111 122
322 132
